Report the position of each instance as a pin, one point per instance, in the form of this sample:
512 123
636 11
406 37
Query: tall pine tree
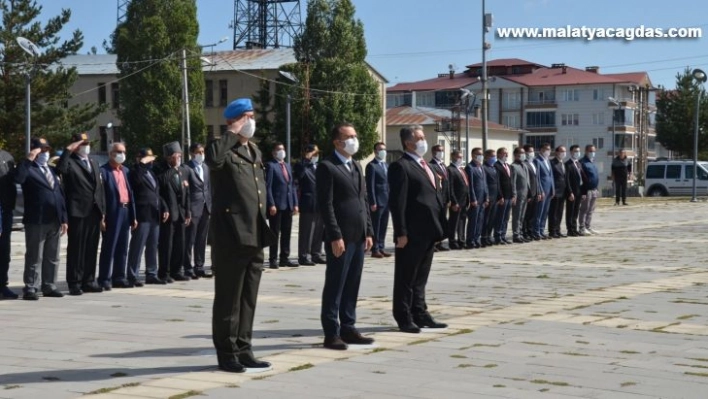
151 95
330 56
676 113
52 117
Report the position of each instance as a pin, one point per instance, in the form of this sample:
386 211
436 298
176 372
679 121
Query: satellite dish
465 93
207 62
29 47
452 67
289 76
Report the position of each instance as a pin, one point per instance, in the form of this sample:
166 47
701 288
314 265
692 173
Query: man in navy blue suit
377 191
479 199
547 189
311 227
45 220
282 204
200 201
8 197
120 218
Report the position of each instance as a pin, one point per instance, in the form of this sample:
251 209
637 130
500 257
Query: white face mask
458 162
421 147
280 155
248 129
522 157
351 146
576 155
546 154
438 155
479 158
85 149
504 159
43 158
381 155
561 156
530 155
315 159
591 155
119 158
198 158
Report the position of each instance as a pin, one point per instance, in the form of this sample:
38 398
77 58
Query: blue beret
237 108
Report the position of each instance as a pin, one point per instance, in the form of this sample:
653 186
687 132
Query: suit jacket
574 177
491 174
377 183
417 208
306 186
199 190
459 190
478 183
111 192
341 196
534 183
174 189
281 192
84 188
238 178
520 179
440 169
8 190
506 188
545 176
44 204
149 206
559 178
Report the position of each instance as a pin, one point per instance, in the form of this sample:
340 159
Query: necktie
286 176
151 179
200 172
385 168
506 167
464 175
48 175
86 164
427 170
349 166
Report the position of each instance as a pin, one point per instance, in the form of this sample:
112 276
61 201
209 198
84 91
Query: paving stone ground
618 315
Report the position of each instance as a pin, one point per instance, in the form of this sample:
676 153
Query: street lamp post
31 49
466 94
486 25
290 77
700 77
614 120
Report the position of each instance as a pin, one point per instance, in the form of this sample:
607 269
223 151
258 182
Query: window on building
598 118
542 96
651 143
624 117
571 95
570 119
115 95
398 99
511 121
103 134
538 140
599 95
623 140
540 119
101 93
425 99
599 143
223 92
512 101
651 120
446 98
209 93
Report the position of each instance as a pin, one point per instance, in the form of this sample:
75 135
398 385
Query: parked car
675 178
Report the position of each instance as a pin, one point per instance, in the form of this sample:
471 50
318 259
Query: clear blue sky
411 40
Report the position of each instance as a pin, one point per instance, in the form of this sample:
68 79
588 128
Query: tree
264 109
334 83
51 82
676 113
148 45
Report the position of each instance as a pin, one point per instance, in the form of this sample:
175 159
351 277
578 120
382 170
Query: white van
664 178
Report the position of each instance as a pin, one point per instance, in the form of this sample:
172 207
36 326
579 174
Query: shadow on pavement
98 374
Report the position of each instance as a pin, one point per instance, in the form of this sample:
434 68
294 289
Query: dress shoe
273 266
305 262
319 260
537 238
441 248
430 323
617 203
470 246
135 283
6 293
122 284
561 235
478 245
335 343
519 240
287 263
75 291
154 280
624 203
30 296
377 254
92 288
409 328
231 366
53 294
572 233
251 363
592 231
455 247
506 241
191 275
581 233
180 277
204 273
386 254
355 338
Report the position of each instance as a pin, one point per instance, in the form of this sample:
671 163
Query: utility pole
185 95
486 25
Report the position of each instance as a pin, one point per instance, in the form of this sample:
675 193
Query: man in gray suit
200 201
520 181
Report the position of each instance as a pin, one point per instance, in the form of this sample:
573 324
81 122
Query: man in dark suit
239 232
479 199
310 228
150 210
418 212
120 219
45 220
621 168
8 196
522 186
562 192
545 178
341 194
174 190
200 200
507 196
490 214
535 195
459 201
377 192
575 186
437 164
282 204
86 206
